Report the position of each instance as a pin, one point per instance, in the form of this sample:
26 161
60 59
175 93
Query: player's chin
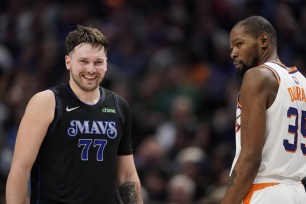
239 66
88 87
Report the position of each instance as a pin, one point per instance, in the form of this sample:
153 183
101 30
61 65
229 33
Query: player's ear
67 62
265 40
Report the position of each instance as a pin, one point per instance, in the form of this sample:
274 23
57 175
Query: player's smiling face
87 65
245 49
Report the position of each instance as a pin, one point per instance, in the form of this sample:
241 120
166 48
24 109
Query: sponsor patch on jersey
108 110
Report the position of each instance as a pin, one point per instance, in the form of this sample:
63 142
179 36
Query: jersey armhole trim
121 116
57 112
275 73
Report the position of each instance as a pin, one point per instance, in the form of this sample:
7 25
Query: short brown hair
256 25
84 34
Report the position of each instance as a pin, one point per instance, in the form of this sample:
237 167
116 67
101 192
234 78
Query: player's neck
269 56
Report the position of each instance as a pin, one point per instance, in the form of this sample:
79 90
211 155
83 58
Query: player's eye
83 61
98 63
238 44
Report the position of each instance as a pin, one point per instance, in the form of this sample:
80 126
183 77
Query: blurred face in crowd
245 49
87 65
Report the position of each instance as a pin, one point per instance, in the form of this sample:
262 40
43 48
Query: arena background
168 58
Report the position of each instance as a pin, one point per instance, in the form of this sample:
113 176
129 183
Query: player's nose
234 53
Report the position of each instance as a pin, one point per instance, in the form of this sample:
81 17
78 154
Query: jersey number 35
292 146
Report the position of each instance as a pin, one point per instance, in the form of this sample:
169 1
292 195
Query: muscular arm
258 92
33 127
127 181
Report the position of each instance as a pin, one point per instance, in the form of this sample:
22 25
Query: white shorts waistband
276 180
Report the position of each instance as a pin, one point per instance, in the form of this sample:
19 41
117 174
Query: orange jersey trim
289 69
292 69
274 72
256 187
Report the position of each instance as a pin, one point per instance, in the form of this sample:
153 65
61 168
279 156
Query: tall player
270 159
74 140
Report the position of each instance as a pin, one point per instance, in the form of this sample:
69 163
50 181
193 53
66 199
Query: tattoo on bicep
128 193
232 178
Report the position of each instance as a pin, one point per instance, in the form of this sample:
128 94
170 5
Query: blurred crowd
169 58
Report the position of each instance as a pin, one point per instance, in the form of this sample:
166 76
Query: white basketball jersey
284 151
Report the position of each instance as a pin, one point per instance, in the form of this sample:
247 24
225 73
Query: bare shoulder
43 103
43 97
260 77
260 82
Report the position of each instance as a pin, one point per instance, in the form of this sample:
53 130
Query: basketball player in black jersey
74 140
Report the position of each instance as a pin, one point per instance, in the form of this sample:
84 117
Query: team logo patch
295 79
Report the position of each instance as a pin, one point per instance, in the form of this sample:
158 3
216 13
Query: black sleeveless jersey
77 160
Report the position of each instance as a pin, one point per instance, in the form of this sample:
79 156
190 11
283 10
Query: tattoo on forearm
232 178
128 193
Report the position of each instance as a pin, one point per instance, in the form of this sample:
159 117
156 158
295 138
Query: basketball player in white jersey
270 159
